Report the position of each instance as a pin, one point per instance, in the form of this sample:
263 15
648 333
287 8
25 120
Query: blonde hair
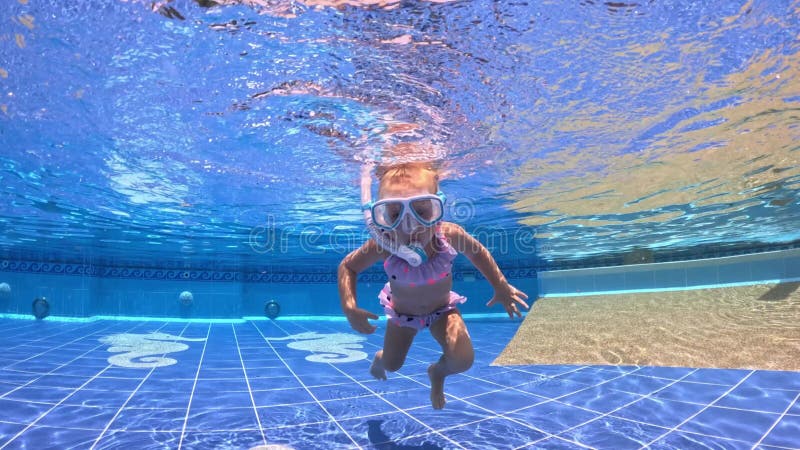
399 173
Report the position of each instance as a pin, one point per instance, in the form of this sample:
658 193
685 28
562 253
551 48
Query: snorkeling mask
389 213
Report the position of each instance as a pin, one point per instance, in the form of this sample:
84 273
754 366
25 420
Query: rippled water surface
133 129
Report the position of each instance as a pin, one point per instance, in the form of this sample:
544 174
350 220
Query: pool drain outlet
41 308
272 309
186 298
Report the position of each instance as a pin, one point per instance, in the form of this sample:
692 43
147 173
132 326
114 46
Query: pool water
306 385
149 149
232 134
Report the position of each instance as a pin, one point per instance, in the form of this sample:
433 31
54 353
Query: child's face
409 185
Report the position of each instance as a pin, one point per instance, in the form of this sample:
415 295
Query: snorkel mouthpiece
413 254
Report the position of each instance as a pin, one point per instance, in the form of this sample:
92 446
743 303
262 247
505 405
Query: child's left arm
479 256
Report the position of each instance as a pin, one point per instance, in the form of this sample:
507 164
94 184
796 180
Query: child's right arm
353 264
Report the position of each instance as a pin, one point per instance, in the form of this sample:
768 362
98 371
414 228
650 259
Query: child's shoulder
451 230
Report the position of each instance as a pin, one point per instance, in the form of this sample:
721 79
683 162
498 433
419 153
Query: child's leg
457 353
396 343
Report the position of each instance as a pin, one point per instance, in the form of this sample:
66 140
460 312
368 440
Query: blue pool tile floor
305 385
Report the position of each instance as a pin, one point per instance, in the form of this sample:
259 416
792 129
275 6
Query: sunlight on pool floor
756 327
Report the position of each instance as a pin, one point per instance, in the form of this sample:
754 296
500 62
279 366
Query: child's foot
377 369
437 387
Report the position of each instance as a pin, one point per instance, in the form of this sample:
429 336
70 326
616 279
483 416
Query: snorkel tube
414 255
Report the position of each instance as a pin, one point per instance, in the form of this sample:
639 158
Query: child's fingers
372 316
518 310
510 311
520 298
366 328
520 293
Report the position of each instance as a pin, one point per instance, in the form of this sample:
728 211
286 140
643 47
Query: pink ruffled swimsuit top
436 268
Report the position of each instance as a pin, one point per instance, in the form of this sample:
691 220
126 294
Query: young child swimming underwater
418 249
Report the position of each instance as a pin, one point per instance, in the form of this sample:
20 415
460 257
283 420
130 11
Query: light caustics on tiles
268 383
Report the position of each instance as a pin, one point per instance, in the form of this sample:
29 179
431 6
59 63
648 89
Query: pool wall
71 292
768 267
81 291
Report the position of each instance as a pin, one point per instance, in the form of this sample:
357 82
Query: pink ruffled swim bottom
418 322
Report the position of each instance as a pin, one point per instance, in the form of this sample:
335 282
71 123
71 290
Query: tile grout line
303 384
31 424
555 399
41 416
194 385
60 366
682 401
28 329
783 414
701 411
496 414
610 413
50 349
119 410
41 339
372 393
401 410
21 325
249 388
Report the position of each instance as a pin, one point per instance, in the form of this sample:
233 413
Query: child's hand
358 320
509 296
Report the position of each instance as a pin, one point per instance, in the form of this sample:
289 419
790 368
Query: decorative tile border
92 270
47 268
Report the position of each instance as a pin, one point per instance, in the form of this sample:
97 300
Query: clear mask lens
427 210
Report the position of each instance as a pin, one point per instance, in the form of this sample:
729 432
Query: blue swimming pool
290 384
172 170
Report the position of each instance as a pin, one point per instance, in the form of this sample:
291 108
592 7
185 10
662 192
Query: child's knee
392 364
466 361
466 354
460 362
